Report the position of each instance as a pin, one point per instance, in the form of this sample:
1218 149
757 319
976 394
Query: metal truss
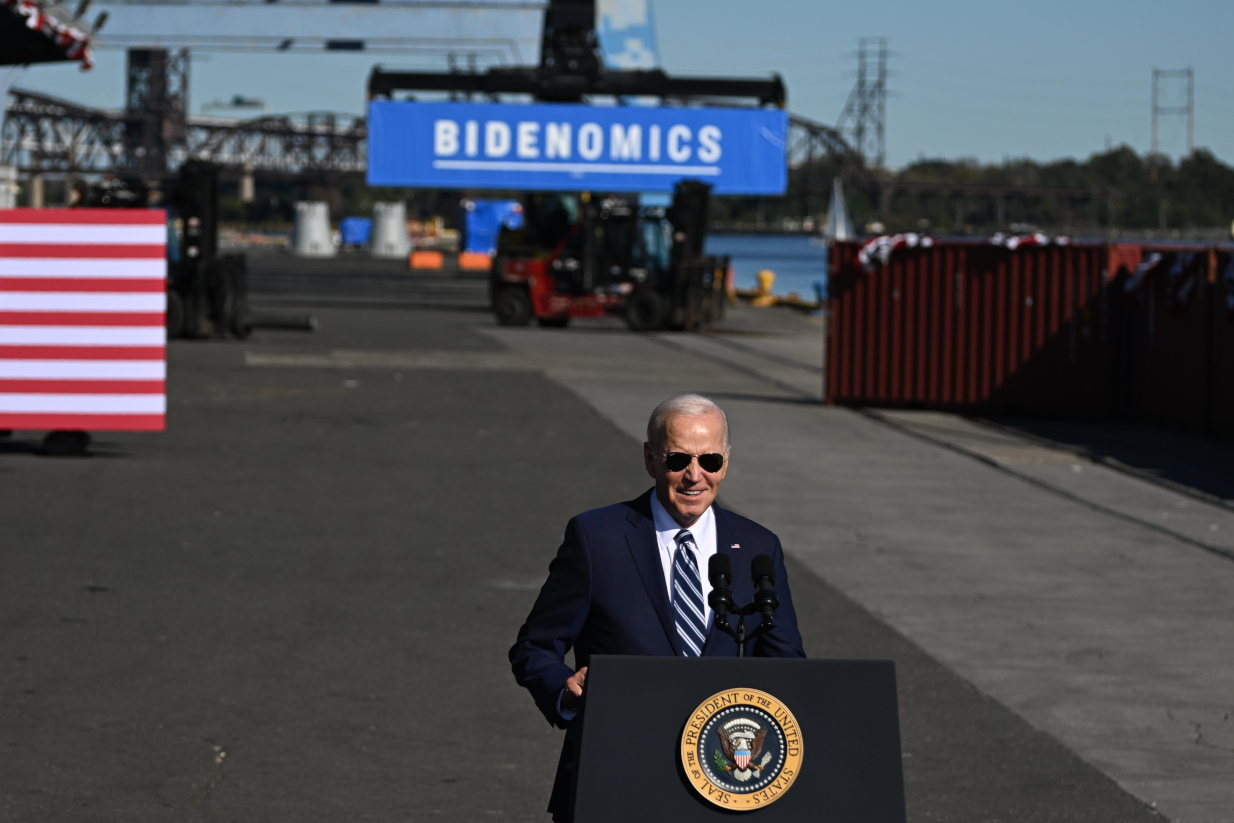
44 134
318 142
865 113
817 154
809 141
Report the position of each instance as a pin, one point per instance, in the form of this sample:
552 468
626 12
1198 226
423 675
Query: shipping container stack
1037 327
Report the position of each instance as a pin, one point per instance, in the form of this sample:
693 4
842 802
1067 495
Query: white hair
683 405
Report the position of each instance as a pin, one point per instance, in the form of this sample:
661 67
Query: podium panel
763 740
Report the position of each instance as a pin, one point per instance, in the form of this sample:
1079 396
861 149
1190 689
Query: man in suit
631 578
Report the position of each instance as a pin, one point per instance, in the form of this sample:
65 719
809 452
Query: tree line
1113 190
1110 191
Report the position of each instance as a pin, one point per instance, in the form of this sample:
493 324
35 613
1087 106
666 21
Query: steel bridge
46 135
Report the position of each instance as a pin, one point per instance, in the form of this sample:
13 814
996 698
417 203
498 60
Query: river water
796 262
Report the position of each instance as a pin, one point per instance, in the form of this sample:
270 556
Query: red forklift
586 256
583 255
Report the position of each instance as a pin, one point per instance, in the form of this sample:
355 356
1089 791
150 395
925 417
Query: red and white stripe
83 337
74 41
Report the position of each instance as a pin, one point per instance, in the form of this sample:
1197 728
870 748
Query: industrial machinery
582 254
572 69
585 256
206 291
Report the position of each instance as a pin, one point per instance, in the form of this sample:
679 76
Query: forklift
585 256
588 255
207 293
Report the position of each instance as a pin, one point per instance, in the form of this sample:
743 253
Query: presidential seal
741 749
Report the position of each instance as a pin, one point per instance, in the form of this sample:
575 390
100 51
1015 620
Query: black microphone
720 573
720 570
763 572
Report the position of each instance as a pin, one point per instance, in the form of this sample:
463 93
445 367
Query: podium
757 739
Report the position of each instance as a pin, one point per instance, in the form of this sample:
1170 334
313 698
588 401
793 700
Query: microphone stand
764 601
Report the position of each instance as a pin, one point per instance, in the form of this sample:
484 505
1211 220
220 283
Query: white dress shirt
704 533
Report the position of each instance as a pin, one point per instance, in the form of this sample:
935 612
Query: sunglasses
677 461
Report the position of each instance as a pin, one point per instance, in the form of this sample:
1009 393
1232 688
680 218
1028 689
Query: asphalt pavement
295 604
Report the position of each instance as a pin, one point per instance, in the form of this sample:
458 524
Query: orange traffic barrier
426 260
474 261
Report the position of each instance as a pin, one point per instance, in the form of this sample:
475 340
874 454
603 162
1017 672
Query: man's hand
573 695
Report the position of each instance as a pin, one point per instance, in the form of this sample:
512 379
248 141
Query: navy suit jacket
605 594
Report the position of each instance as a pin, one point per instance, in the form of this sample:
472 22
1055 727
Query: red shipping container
1165 347
971 326
1047 330
1221 420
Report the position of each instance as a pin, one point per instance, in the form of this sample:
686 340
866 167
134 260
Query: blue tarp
485 220
355 230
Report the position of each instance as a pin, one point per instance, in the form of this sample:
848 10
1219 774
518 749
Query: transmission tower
865 114
1189 109
157 103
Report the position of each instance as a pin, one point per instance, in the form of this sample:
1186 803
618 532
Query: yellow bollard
766 279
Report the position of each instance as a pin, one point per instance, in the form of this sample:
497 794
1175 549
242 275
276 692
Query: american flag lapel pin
735 546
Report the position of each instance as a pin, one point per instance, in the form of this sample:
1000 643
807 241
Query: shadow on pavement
1184 462
966 756
765 398
35 447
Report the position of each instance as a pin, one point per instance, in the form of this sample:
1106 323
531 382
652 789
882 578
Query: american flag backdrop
82 331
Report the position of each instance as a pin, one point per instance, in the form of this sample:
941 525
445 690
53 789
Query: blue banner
555 147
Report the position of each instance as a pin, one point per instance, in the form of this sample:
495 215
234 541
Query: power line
1189 109
865 113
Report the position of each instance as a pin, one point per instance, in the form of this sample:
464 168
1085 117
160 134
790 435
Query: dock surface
295 604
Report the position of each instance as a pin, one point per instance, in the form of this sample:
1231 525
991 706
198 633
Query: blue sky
984 80
981 80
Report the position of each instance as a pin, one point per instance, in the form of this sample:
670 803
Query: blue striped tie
688 604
